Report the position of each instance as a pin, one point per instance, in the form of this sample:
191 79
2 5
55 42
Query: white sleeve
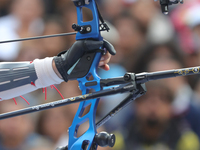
45 73
45 77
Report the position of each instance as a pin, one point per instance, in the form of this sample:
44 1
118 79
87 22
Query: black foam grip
65 60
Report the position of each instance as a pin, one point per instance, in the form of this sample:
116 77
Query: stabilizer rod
139 79
145 77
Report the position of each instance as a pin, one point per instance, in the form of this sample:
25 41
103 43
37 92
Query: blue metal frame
95 34
75 143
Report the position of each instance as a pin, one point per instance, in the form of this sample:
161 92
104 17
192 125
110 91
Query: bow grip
83 66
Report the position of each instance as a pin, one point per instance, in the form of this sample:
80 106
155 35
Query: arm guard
18 78
13 75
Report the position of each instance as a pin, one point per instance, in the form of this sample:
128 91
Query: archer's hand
104 61
65 60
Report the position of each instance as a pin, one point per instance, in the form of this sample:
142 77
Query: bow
86 30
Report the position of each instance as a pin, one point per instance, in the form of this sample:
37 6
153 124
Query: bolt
79 3
88 29
82 29
74 26
88 58
127 77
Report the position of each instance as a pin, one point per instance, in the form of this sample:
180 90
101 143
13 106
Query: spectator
54 124
30 50
157 27
192 20
17 133
112 9
4 7
154 128
131 39
184 102
24 20
52 46
152 51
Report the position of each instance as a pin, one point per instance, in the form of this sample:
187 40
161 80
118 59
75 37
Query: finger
105 67
105 58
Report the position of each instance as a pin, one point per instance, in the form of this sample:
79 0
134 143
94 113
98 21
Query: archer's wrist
55 69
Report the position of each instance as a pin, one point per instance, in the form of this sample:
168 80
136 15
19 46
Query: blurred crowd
166 118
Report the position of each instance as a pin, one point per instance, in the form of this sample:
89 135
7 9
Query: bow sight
165 5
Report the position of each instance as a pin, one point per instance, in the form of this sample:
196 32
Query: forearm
20 78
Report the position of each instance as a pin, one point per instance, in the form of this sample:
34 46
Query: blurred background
166 118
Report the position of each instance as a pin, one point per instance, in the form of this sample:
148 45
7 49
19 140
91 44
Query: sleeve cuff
46 74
